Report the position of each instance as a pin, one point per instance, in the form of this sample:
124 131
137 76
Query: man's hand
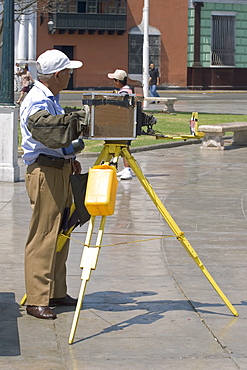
84 116
76 167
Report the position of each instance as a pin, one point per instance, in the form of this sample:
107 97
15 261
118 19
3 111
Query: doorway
69 51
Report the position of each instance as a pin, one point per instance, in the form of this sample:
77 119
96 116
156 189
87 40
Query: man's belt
50 161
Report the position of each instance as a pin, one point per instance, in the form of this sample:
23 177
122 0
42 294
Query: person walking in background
154 80
26 80
17 77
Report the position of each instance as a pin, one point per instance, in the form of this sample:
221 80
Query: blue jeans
153 91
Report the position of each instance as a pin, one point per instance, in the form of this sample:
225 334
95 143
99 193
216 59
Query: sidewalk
147 304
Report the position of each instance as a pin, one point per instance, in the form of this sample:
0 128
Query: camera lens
78 145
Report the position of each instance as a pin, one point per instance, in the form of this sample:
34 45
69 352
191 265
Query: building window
102 7
136 52
72 6
82 6
92 6
223 40
121 6
112 6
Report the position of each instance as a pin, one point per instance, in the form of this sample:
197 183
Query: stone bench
213 138
168 103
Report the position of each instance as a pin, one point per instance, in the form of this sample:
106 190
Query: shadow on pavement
9 335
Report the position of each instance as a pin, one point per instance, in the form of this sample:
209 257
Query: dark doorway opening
69 51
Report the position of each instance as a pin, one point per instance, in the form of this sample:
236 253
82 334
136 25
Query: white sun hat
119 74
54 60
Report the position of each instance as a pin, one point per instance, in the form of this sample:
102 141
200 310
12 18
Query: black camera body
144 120
116 117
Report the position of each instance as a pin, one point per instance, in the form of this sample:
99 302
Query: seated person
120 82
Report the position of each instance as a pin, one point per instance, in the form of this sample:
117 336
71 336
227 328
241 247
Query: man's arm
58 131
158 77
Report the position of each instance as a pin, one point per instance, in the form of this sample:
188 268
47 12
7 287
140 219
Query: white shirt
17 70
39 98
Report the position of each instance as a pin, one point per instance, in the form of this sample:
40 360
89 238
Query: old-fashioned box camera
113 116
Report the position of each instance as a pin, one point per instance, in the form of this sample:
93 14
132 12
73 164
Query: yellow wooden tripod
110 154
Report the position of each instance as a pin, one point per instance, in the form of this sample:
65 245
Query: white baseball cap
119 74
54 60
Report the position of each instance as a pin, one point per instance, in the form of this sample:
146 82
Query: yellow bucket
101 190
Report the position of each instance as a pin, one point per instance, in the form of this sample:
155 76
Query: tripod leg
104 155
174 227
23 300
88 263
61 239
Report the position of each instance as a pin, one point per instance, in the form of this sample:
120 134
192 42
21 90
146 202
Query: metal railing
223 40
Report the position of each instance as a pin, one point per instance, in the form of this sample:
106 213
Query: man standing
47 182
154 80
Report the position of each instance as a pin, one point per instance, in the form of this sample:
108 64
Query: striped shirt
125 90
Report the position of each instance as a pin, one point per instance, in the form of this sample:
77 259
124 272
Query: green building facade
222 41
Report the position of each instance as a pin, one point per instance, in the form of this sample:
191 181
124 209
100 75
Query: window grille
121 6
136 52
72 6
223 40
92 6
112 6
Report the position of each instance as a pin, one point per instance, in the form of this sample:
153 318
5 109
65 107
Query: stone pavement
147 304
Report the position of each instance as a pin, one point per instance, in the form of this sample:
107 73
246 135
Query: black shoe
41 312
65 301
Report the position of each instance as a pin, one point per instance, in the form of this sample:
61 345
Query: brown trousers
45 269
